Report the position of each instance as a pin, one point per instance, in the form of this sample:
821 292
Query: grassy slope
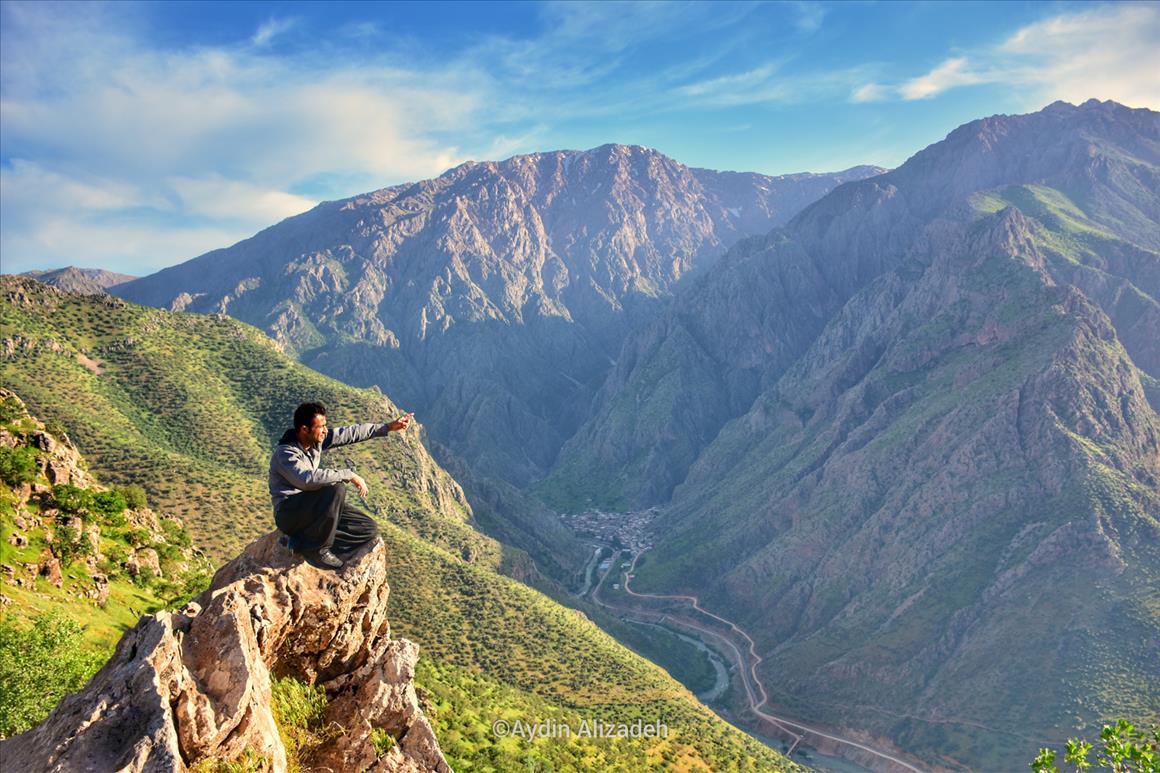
187 406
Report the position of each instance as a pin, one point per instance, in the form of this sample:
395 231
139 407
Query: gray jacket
294 469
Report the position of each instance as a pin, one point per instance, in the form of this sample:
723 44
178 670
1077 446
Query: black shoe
324 559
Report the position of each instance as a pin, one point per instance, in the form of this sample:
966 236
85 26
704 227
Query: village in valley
621 530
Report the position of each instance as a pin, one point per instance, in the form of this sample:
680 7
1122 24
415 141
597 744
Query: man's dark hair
305 413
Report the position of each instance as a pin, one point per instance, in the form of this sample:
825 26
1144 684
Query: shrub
10 410
71 500
55 428
68 544
107 503
138 538
175 534
1125 750
382 740
17 465
38 666
134 496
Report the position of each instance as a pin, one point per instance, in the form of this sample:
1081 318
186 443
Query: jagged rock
144 558
50 569
44 441
19 540
194 685
100 590
143 518
93 535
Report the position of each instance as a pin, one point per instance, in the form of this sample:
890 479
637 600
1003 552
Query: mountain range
909 441
493 299
899 426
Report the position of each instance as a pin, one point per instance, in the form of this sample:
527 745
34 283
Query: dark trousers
324 519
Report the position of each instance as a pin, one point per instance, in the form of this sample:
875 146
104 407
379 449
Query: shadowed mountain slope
907 442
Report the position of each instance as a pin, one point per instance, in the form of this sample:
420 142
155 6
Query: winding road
755 691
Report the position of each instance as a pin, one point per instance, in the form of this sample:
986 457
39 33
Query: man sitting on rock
310 504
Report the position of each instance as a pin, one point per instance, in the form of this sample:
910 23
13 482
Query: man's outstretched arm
356 433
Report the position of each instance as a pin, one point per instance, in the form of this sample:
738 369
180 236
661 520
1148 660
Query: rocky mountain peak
195 684
87 281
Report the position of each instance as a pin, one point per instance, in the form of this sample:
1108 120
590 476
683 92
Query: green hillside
187 406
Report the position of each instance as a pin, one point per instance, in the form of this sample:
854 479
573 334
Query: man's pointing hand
400 423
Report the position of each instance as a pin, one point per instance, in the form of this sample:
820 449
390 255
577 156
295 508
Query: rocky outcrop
194 685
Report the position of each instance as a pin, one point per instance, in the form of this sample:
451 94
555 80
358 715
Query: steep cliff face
940 519
195 685
1087 174
492 299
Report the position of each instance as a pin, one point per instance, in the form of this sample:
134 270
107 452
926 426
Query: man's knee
336 492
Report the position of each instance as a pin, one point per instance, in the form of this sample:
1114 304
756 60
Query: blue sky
138 135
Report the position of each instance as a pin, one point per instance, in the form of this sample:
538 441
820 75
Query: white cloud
768 84
730 84
870 92
137 142
217 197
272 29
948 75
1112 52
60 239
1108 52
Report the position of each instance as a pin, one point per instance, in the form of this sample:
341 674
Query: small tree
134 496
38 666
71 500
17 465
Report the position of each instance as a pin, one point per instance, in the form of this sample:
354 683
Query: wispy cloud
809 16
271 29
948 75
769 84
1108 52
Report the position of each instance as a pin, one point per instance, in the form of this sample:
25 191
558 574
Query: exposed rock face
492 299
734 332
939 434
193 685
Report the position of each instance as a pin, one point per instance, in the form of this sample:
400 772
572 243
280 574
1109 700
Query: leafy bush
39 666
71 500
68 544
139 538
17 465
1125 750
175 534
107 503
382 740
134 496
10 410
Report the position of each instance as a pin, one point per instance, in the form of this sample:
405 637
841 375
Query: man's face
315 433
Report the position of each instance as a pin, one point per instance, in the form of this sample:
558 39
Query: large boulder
193 685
